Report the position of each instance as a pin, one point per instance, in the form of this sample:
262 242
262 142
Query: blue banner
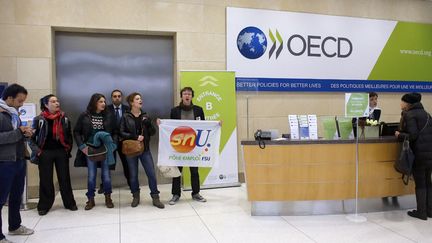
329 85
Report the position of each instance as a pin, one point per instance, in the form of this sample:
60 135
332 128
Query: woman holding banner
136 125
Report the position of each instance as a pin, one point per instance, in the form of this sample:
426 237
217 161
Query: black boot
156 202
416 214
108 201
421 212
429 202
135 199
90 204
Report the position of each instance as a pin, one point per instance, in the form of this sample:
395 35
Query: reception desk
319 172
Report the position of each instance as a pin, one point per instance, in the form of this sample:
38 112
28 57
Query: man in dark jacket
186 110
117 110
12 161
416 125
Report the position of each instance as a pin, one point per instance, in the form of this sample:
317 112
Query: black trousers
124 162
47 160
423 189
176 190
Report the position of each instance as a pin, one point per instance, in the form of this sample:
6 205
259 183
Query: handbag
97 153
405 161
132 148
169 171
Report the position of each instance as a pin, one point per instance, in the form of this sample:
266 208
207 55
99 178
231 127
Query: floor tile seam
74 227
389 229
224 212
158 219
205 225
299 230
119 216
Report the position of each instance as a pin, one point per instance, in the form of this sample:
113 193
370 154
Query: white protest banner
188 143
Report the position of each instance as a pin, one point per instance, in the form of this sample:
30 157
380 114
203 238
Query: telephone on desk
260 136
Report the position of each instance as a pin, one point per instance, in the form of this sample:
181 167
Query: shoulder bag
405 161
132 148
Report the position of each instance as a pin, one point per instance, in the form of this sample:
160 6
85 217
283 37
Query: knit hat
411 98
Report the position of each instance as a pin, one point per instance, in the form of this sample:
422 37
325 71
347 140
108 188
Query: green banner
356 104
214 91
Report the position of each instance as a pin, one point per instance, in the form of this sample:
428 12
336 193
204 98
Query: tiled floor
224 218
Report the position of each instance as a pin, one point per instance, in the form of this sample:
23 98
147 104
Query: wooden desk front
322 170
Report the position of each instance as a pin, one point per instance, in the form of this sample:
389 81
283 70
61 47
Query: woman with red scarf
51 145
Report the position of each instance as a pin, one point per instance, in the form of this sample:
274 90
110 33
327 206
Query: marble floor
224 218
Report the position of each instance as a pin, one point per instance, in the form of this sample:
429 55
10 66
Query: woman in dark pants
136 125
92 121
51 145
416 125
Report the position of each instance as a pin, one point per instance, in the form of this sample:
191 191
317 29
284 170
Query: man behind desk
12 162
117 109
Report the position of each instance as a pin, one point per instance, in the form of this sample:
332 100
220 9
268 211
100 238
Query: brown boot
156 202
136 199
90 204
108 201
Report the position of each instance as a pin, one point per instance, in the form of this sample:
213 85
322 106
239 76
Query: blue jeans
91 178
147 163
12 178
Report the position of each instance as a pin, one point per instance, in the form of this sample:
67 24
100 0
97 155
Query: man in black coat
416 126
186 110
117 109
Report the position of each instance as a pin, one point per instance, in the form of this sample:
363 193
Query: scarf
13 112
186 107
58 133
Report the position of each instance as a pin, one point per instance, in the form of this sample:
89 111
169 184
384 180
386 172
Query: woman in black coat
51 145
416 126
136 125
93 120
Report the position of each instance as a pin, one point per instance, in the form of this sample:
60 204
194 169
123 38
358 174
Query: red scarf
58 133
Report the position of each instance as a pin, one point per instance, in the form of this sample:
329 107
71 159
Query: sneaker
5 241
197 197
22 230
174 200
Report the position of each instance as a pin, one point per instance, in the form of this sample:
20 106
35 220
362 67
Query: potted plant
369 129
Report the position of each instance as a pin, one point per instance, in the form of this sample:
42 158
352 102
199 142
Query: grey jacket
11 141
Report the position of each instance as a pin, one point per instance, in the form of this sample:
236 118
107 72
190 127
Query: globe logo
251 42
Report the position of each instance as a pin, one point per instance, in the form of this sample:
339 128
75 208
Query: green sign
356 104
215 93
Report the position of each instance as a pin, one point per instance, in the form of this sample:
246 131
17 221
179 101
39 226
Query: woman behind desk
415 126
374 111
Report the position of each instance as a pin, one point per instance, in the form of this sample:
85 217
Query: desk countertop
389 139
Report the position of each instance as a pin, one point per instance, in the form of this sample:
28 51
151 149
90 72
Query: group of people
51 139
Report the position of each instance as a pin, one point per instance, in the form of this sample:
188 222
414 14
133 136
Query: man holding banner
189 143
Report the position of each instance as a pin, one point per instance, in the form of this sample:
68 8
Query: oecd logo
251 42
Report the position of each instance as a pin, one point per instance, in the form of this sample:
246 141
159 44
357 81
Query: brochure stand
25 204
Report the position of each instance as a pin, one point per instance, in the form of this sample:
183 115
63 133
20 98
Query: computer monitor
389 129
